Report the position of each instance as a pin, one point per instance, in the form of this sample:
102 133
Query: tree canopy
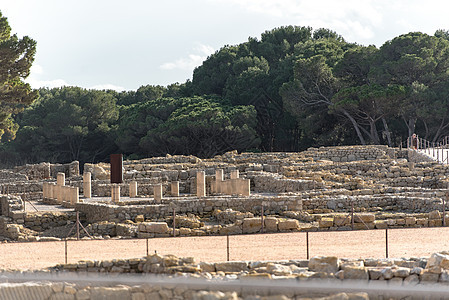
293 88
16 57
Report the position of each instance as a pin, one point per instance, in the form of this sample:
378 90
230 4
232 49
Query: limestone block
341 220
270 224
278 269
133 189
380 224
423 222
387 273
366 218
444 276
231 229
234 174
433 215
156 227
327 264
110 293
139 218
356 272
401 272
429 276
411 280
288 224
207 267
435 222
326 222
157 192
174 188
437 262
87 185
201 184
410 221
231 266
251 225
374 273
400 221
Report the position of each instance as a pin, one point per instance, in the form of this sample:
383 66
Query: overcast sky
126 44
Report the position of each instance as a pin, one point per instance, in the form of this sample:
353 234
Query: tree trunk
387 131
356 126
411 126
373 133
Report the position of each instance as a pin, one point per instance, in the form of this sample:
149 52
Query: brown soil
349 244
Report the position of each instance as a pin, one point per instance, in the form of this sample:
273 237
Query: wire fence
381 243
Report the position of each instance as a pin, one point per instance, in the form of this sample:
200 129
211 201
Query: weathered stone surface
156 227
429 276
434 215
411 280
288 224
328 264
231 266
326 222
437 262
271 224
251 225
279 270
374 274
365 218
356 272
207 267
110 293
401 272
231 229
387 273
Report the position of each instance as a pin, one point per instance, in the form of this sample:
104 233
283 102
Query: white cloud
191 61
35 83
36 69
108 86
354 19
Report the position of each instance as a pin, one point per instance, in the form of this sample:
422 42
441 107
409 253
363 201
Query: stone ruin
306 191
313 190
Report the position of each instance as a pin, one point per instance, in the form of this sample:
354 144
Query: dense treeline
292 89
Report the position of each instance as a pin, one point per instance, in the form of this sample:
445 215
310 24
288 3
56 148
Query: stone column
201 184
60 183
234 174
87 185
244 187
218 180
234 190
133 189
74 198
51 190
226 187
174 187
44 190
157 191
115 193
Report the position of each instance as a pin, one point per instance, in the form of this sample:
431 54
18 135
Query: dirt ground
349 244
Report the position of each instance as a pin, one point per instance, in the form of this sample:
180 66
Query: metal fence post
77 225
386 242
174 222
227 247
65 246
352 215
147 248
307 244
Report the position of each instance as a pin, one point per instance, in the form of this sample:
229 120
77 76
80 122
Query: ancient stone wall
96 212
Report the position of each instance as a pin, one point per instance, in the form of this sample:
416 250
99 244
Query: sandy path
355 244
